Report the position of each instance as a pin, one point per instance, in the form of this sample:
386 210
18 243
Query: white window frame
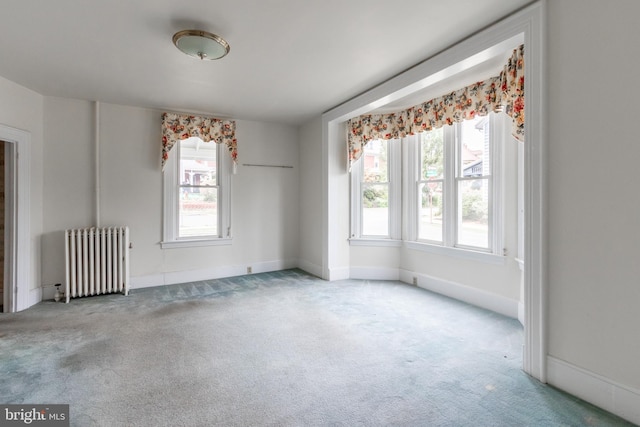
496 253
171 193
394 170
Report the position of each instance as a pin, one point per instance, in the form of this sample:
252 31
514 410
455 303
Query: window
376 191
196 190
452 191
457 189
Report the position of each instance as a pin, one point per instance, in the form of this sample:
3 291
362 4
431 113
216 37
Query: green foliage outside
432 153
375 197
474 208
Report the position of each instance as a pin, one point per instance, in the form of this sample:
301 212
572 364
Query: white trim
395 188
394 243
20 288
194 243
474 296
374 273
177 277
532 21
521 312
339 273
616 398
500 136
310 268
485 257
9 278
355 189
35 296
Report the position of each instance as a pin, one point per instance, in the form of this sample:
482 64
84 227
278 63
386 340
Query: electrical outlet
249 270
415 281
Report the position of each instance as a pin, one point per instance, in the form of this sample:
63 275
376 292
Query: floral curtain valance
176 127
503 92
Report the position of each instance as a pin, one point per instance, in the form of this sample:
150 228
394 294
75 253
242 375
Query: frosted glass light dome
201 44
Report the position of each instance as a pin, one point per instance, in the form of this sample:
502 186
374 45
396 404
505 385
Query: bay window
451 197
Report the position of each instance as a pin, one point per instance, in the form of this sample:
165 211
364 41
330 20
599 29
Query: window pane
473 213
375 210
432 154
375 161
474 148
430 211
198 164
198 213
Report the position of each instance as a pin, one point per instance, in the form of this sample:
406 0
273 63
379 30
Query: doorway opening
527 24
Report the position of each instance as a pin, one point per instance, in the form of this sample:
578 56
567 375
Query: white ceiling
290 60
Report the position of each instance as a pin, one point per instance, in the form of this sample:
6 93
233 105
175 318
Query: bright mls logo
34 415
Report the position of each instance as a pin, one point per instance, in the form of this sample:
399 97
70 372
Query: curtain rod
268 166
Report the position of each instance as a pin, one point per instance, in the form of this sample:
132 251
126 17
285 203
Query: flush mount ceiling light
201 44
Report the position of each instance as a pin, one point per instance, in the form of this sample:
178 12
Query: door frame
18 242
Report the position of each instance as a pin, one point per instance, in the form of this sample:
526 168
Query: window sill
485 257
376 242
174 244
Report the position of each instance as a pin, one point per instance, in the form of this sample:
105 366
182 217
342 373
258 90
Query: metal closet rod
268 166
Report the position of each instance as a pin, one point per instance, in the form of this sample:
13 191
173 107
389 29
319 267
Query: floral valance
176 127
503 92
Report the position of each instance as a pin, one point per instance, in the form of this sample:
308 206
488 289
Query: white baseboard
468 294
607 394
176 277
342 273
310 268
35 296
374 273
521 312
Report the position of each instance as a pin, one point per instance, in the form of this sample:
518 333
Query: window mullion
394 186
450 193
176 194
411 187
356 199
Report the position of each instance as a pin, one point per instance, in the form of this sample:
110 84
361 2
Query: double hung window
196 187
376 191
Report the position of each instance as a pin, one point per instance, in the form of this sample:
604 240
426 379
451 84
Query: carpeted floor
278 349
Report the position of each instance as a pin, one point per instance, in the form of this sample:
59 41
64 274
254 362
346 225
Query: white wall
310 234
265 201
22 109
594 222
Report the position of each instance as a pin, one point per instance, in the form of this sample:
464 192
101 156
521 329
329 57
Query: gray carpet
278 349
